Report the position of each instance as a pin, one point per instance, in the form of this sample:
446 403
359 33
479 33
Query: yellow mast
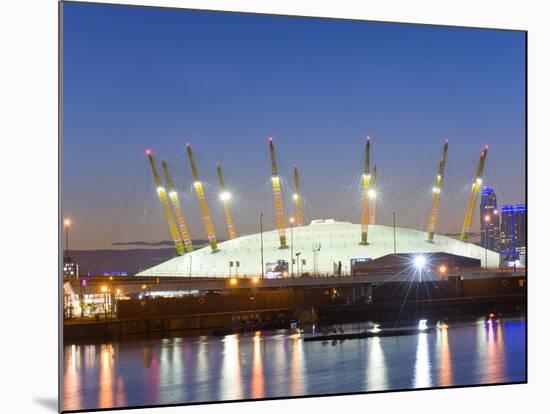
225 197
298 213
161 191
437 193
365 196
207 220
372 197
473 197
277 198
173 194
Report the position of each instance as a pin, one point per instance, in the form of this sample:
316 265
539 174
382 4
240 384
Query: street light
292 247
262 242
66 225
419 262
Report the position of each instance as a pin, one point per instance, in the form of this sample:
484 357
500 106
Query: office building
489 220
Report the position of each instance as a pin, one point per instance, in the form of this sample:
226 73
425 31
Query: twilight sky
137 78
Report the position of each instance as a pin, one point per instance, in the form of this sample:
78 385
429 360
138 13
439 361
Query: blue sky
137 78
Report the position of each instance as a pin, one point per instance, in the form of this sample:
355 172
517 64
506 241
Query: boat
368 334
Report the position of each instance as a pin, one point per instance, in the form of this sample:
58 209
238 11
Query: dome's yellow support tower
297 197
473 197
161 192
277 197
225 196
207 220
372 198
365 196
437 193
180 218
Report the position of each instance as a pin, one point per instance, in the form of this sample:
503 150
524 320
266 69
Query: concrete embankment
249 320
204 323
270 308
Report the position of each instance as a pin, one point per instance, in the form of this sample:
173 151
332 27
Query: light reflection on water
231 387
257 387
445 361
272 364
376 366
422 377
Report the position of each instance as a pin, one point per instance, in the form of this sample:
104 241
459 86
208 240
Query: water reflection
445 362
105 377
377 378
257 388
272 364
494 363
147 355
231 369
422 378
151 373
72 378
297 367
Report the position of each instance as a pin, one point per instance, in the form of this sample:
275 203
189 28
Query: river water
279 363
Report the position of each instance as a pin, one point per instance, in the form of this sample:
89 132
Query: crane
473 197
365 196
298 213
161 192
277 197
174 198
207 220
225 197
372 196
437 193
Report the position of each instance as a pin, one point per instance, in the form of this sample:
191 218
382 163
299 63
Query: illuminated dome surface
339 241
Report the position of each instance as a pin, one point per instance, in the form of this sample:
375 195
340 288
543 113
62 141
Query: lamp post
487 221
190 273
262 242
394 241
291 247
104 289
66 225
298 263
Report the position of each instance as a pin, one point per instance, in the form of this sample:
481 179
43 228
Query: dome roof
338 242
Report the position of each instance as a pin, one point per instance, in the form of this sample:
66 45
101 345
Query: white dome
339 242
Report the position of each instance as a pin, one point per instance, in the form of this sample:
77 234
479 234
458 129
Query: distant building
489 220
513 231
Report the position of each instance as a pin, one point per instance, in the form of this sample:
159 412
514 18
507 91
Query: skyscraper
513 231
489 219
